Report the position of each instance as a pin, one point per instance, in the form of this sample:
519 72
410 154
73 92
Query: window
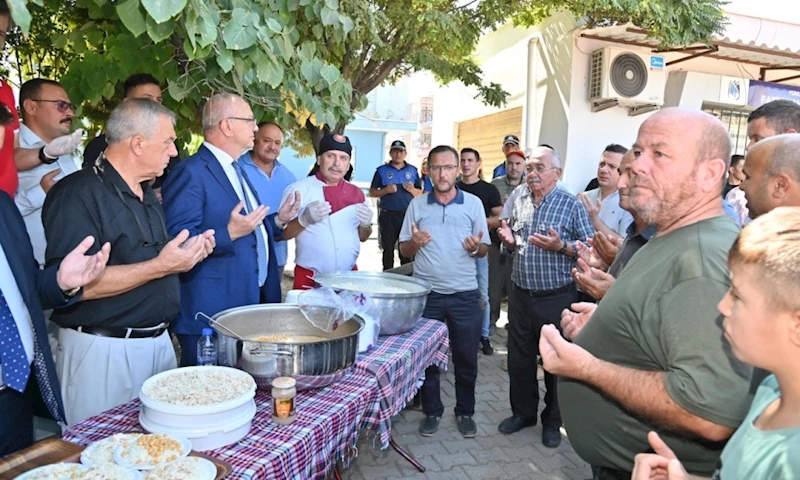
735 120
426 110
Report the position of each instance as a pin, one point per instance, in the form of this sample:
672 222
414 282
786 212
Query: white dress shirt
8 285
30 195
615 217
226 162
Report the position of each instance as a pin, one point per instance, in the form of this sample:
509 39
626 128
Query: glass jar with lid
284 393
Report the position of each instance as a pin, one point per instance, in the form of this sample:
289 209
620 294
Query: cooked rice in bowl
199 386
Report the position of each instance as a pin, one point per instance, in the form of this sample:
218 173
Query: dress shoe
467 426
429 426
515 424
551 436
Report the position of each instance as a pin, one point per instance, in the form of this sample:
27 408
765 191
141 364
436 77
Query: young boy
762 325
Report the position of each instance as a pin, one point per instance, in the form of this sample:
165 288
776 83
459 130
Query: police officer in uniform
395 184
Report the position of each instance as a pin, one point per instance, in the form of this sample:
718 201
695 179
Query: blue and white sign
656 61
765 92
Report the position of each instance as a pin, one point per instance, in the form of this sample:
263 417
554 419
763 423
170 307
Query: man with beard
593 275
46 115
652 356
269 176
446 230
333 219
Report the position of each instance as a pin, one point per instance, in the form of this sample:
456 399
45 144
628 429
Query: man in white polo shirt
445 230
602 203
333 219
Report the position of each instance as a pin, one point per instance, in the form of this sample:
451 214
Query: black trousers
500 267
16 421
530 314
462 314
389 225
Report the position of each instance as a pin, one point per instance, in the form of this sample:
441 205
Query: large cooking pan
313 357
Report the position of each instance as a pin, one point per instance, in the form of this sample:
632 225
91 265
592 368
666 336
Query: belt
547 293
393 212
123 332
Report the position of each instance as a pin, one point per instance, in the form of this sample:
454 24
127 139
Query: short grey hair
217 109
554 156
135 116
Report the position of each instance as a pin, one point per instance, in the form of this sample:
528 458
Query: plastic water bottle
207 348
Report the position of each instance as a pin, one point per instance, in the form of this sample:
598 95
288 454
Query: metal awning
770 45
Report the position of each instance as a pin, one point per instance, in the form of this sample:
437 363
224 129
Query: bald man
772 174
652 355
210 190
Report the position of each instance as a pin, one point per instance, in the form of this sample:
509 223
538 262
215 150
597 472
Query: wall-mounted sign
656 61
765 92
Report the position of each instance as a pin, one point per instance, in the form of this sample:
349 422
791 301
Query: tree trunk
317 132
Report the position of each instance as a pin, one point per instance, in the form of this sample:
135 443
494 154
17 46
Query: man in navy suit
24 291
209 190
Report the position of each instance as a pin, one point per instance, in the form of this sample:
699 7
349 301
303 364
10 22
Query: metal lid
283 382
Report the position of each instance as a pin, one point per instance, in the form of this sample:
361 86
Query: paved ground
446 455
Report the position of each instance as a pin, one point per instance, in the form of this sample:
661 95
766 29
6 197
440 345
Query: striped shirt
535 268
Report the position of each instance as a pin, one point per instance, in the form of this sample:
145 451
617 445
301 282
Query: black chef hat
337 142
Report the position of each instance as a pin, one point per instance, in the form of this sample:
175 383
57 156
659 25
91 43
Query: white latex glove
364 214
64 144
314 212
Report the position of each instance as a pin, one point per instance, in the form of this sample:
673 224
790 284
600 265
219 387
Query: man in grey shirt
444 230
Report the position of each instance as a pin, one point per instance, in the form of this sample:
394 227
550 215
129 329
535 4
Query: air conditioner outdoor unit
626 78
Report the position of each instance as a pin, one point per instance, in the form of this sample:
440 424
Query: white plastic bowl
206 426
201 435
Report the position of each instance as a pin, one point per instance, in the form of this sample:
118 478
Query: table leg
413 461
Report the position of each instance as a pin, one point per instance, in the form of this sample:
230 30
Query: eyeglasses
244 119
539 168
61 105
438 168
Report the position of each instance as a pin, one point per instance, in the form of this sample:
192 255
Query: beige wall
485 134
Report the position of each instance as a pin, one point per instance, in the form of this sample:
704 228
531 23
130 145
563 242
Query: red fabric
8 171
342 195
302 278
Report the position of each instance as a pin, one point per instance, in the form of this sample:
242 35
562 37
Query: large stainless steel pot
313 364
395 310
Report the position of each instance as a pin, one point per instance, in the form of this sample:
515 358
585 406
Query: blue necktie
16 369
260 240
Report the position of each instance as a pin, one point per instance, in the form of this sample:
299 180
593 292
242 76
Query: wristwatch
71 293
45 159
563 249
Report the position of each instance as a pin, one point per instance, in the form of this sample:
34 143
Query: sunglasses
61 105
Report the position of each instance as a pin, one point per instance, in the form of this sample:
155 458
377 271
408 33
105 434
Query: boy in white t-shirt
762 325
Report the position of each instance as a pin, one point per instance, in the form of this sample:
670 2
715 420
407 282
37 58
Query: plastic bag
326 309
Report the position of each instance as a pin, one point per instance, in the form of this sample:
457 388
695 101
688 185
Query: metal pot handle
267 348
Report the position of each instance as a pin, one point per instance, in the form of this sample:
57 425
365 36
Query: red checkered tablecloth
325 431
397 363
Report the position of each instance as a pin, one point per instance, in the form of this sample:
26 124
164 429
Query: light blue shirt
269 191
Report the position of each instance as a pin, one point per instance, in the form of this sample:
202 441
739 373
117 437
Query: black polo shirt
98 202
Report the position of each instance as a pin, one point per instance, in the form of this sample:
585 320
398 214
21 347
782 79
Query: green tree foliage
307 64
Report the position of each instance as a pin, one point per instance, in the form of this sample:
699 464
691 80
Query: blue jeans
482 265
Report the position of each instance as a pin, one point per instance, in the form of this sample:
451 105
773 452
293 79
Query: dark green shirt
661 315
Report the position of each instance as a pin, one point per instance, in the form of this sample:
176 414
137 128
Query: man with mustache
268 175
445 230
652 356
542 229
333 218
210 190
46 114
